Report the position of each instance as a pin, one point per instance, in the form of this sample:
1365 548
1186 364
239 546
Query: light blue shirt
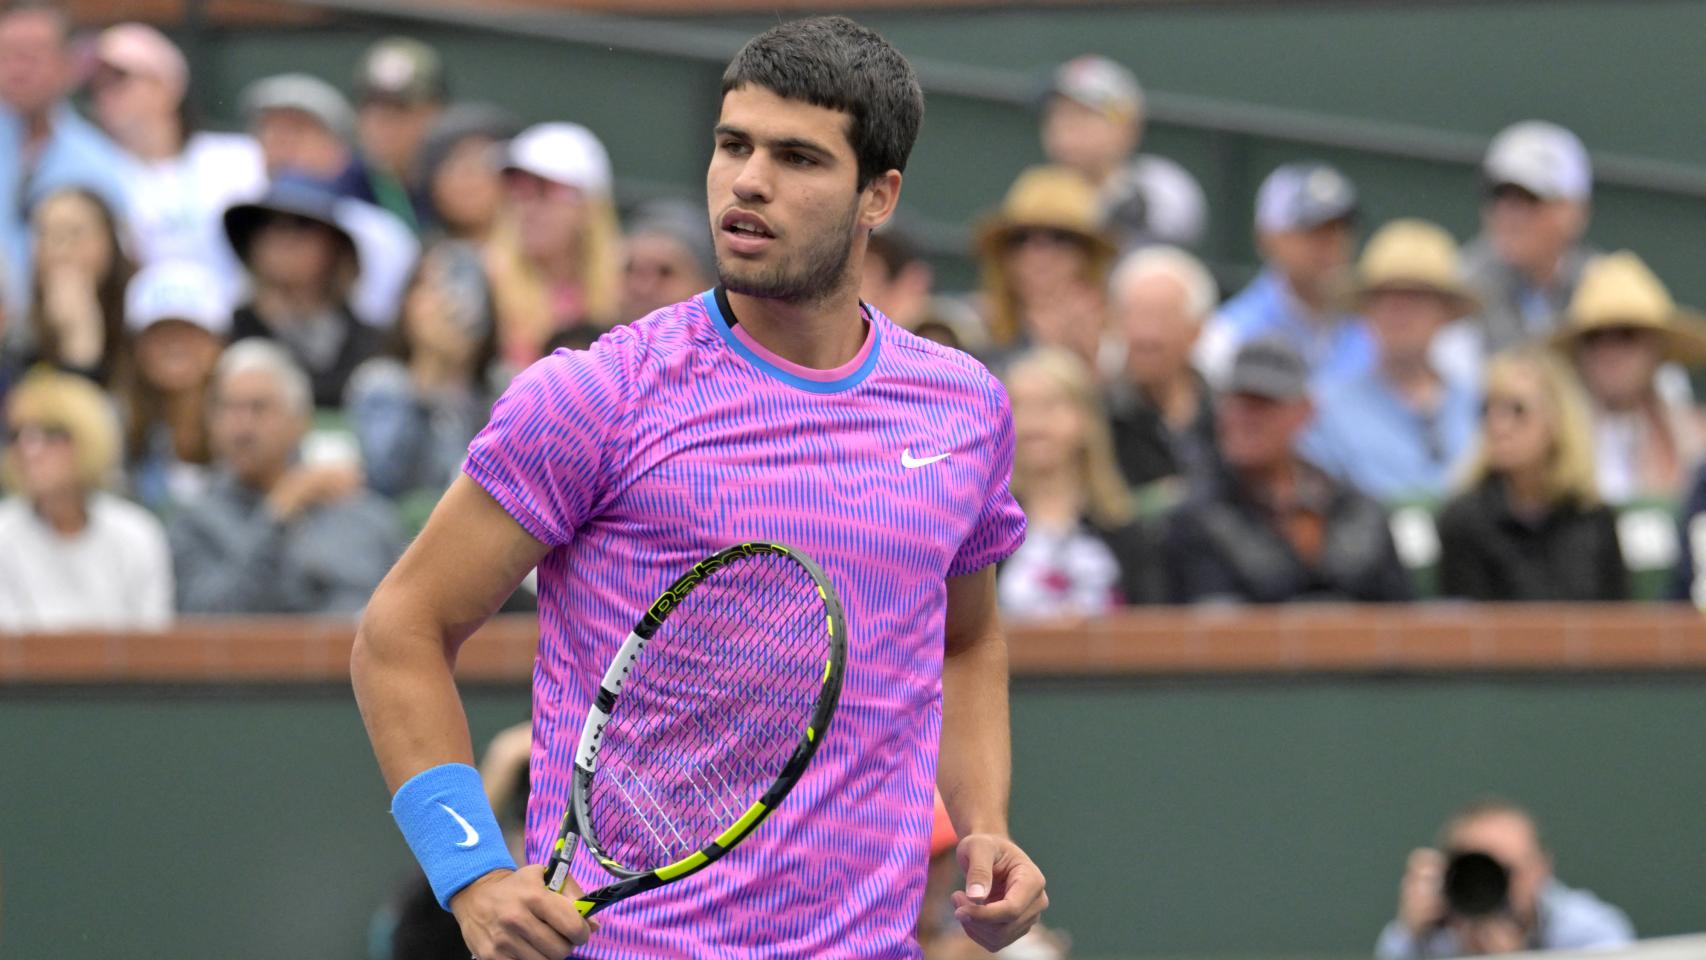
76 154
1367 436
1335 348
1568 920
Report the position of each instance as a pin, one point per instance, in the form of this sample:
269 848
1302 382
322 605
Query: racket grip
557 868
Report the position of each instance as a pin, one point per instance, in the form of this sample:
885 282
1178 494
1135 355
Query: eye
800 160
735 148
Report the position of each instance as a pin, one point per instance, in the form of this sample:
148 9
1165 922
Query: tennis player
776 406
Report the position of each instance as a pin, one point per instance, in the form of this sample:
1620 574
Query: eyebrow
778 143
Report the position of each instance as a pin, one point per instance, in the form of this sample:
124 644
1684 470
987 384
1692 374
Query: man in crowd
1093 122
44 144
1398 430
1161 409
275 534
1539 912
1305 231
1529 257
897 278
1275 528
400 93
666 257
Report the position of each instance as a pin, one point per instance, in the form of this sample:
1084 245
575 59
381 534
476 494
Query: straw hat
1049 198
1619 291
1413 255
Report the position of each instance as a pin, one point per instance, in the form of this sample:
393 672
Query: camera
1476 885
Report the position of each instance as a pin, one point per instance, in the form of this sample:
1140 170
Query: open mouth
739 223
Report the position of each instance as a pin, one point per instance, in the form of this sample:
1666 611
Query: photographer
1489 889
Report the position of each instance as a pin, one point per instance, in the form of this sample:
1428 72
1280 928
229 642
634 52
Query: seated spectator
1540 913
1621 327
1045 262
415 409
302 266
1083 554
77 295
1397 431
1529 524
182 179
459 171
897 279
71 554
1274 528
400 91
1093 122
1529 257
667 257
561 268
1305 231
1688 579
44 145
1161 409
274 534
179 319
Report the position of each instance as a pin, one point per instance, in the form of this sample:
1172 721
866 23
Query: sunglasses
1052 236
1505 406
44 433
1620 336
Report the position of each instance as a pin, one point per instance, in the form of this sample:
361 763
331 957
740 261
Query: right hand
72 308
512 915
1421 904
304 487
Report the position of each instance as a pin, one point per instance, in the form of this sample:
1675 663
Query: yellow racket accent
583 906
728 837
680 867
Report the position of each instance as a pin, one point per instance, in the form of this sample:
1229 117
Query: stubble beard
802 278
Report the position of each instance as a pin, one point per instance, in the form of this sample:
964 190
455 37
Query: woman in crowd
415 409
1529 524
561 268
667 257
1045 261
1083 553
179 319
77 296
459 164
72 555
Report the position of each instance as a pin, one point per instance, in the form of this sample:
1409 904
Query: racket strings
711 713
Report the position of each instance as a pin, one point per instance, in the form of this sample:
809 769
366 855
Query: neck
822 335
158 141
291 300
1176 397
38 124
67 512
562 265
1544 275
1633 403
1053 494
1275 480
433 371
1525 488
1412 376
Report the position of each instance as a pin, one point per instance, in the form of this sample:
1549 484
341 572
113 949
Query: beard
801 277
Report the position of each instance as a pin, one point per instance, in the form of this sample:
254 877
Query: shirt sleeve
1000 525
547 453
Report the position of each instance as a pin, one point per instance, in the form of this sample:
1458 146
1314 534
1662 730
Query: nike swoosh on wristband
473 835
909 463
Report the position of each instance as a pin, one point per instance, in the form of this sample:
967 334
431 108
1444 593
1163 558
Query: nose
753 184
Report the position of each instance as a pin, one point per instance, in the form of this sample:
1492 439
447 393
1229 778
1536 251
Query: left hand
1004 893
1489 935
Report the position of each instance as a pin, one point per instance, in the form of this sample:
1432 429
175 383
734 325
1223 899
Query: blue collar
721 325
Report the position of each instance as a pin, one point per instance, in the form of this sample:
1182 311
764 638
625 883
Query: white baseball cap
177 290
565 153
1542 158
1304 195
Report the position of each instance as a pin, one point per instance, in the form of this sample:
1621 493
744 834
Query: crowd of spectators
240 367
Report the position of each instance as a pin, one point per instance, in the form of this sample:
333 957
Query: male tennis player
776 406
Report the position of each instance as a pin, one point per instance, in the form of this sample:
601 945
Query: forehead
1496 833
31 27
253 383
765 115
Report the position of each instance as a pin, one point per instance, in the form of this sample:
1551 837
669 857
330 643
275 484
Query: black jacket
359 341
1487 552
1149 450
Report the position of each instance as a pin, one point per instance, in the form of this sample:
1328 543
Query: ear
879 199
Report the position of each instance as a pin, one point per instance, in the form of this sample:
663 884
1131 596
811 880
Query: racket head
707 717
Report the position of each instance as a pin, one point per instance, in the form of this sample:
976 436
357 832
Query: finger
558 912
1023 886
977 858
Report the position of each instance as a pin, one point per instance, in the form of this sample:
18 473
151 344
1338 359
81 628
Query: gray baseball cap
303 92
1302 196
1269 368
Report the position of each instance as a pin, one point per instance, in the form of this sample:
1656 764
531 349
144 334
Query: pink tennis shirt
678 435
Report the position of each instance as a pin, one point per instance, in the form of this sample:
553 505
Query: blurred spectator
415 409
178 319
302 266
1539 913
181 179
1161 408
897 279
72 555
1529 524
562 267
44 145
1305 230
1688 582
1620 328
667 257
1529 257
460 170
400 92
77 296
1083 554
1396 431
1093 122
1275 528
274 534
1045 265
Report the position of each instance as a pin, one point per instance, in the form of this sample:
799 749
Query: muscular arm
975 769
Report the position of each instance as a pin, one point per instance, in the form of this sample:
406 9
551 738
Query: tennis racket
704 721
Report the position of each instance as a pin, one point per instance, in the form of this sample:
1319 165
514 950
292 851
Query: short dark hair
835 63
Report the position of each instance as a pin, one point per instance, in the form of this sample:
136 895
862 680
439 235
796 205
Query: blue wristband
444 814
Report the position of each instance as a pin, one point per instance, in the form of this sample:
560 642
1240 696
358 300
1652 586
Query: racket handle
557 868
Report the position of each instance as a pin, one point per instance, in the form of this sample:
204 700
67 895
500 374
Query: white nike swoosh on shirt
909 463
473 835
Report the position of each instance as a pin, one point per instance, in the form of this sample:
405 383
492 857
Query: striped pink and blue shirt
678 435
